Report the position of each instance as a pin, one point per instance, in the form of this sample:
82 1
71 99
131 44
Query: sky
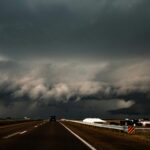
75 58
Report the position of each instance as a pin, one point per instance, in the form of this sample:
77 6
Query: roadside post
131 129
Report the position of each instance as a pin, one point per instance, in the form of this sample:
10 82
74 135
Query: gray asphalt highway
13 128
40 135
106 139
49 136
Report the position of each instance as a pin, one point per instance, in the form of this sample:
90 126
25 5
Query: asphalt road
106 139
13 128
39 136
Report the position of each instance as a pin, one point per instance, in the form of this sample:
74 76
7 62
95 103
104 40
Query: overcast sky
75 58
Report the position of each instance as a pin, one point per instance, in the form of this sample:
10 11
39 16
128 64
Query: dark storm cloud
141 106
113 27
73 57
73 90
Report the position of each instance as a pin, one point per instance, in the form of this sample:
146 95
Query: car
130 122
144 123
52 118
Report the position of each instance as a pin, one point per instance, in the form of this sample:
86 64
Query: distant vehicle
52 118
145 123
132 122
135 122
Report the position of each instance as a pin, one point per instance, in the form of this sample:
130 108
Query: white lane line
82 140
11 135
14 134
23 132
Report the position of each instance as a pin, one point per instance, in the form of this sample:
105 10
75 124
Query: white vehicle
145 123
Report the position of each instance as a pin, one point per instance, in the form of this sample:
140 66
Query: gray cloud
65 55
101 28
74 86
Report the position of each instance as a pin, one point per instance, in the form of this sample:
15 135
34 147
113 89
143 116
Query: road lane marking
11 135
14 134
23 132
77 136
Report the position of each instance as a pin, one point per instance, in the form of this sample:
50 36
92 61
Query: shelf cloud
67 57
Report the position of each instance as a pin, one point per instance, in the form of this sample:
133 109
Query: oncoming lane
51 135
16 129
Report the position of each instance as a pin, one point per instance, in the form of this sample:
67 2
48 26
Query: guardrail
115 127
